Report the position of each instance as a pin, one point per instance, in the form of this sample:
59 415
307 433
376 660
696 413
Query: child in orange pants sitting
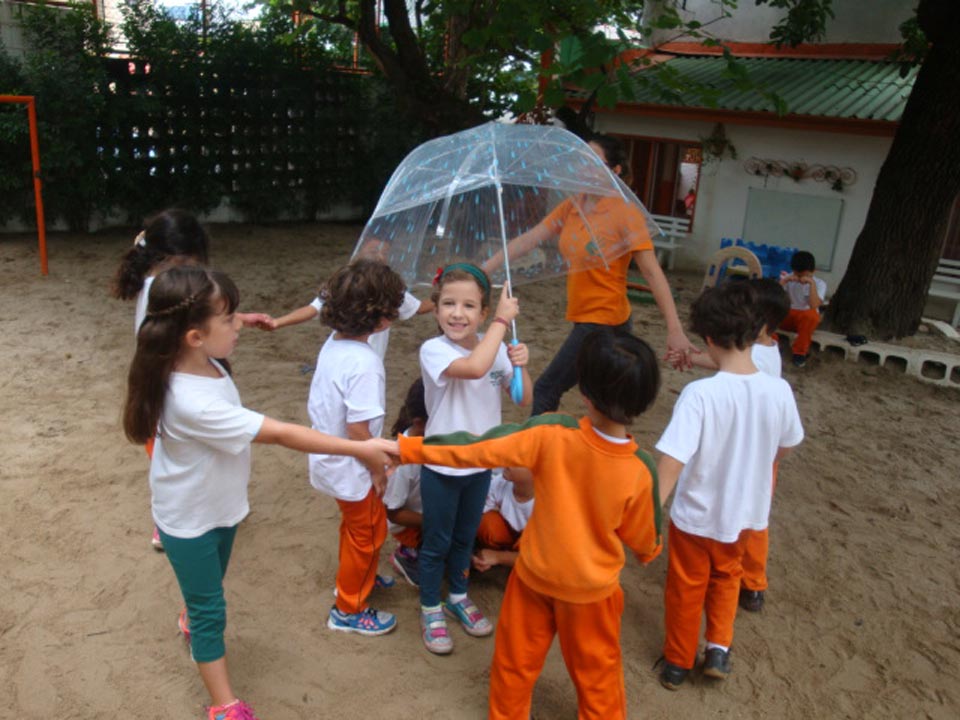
806 293
718 450
596 491
505 515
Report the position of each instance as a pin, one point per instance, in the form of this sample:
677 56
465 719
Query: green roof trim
851 89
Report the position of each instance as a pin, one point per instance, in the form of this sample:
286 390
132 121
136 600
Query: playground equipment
28 100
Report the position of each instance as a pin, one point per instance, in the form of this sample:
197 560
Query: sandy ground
862 619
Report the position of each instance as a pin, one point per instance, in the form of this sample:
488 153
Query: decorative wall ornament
717 144
838 177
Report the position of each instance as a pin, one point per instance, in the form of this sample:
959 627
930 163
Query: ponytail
169 235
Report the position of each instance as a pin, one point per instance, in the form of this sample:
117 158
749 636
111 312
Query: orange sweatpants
409 537
363 528
495 532
589 640
756 546
702 574
804 323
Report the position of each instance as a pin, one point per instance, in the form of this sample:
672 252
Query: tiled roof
857 89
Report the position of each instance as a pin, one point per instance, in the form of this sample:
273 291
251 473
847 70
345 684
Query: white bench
674 229
946 285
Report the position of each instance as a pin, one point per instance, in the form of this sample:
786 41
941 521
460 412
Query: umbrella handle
516 382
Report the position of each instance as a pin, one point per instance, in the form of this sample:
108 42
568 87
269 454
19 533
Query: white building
801 179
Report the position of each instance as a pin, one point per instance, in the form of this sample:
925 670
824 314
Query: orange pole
37 183
29 100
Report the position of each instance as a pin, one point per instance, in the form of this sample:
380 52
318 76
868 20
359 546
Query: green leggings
200 564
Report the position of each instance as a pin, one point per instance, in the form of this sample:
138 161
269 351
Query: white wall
855 21
10 34
722 194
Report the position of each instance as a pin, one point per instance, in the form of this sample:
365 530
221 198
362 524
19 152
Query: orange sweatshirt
592 496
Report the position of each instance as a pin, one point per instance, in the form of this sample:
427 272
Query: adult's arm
521 245
679 348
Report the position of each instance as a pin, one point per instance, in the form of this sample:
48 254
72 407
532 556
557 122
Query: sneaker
407 565
751 600
183 624
367 622
436 637
156 541
237 710
473 621
799 360
716 663
672 676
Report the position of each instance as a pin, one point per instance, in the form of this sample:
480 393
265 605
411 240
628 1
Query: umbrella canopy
461 197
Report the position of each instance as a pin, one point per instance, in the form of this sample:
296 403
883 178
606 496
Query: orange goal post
28 100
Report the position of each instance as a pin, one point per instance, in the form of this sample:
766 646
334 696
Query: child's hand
390 447
519 354
509 307
258 320
379 463
484 559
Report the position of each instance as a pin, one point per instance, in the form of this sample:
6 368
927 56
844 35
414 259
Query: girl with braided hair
181 395
169 239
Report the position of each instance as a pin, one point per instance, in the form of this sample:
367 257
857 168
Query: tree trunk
884 290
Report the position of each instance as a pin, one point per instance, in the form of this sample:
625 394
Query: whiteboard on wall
806 222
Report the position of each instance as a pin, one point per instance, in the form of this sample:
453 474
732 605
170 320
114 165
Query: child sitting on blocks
807 293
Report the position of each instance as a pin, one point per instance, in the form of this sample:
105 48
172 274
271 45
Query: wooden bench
674 229
946 285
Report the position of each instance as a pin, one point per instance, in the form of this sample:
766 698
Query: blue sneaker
407 564
473 621
366 622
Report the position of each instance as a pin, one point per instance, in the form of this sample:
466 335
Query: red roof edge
821 51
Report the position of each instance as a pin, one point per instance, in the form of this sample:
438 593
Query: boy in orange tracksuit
719 450
595 491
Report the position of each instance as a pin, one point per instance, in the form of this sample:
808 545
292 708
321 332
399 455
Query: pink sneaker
433 629
156 541
237 710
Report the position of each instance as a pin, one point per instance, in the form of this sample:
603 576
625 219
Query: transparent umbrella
463 197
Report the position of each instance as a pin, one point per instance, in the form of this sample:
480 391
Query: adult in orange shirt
598 297
566 580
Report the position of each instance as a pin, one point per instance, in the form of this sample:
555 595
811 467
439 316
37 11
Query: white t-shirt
403 491
767 358
141 310
726 429
800 293
348 386
455 404
500 497
379 340
201 460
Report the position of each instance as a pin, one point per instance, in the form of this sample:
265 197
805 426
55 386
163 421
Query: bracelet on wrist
505 323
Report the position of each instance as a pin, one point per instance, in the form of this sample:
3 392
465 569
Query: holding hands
257 320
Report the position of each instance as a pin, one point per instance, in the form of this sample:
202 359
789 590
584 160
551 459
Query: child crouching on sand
596 491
